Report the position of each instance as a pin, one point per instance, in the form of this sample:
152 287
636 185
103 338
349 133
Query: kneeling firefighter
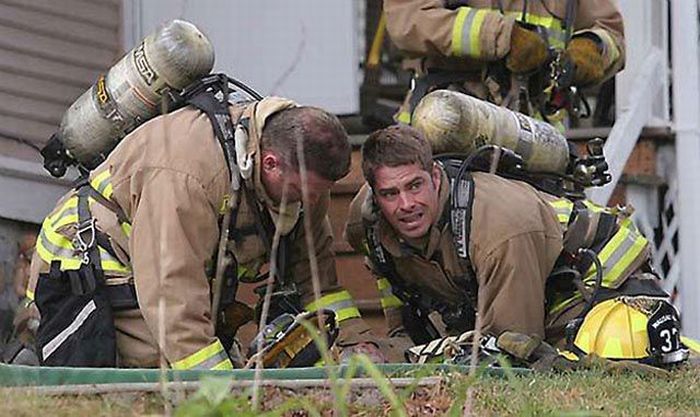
141 260
527 253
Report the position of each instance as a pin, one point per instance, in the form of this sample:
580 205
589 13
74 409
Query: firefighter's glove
532 350
611 367
528 50
589 67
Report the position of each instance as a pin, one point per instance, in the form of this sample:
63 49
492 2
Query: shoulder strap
461 202
212 99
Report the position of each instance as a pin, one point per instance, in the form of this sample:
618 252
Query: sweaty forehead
393 177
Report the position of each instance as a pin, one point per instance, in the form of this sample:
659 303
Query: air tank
456 122
172 57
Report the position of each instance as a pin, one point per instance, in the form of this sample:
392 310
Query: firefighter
119 273
448 245
520 54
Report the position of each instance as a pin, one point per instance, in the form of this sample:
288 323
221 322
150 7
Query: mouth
411 220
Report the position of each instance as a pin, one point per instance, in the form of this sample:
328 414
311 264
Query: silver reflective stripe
57 341
107 257
339 305
65 213
212 361
55 250
102 185
467 33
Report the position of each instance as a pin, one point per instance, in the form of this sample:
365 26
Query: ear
270 162
436 175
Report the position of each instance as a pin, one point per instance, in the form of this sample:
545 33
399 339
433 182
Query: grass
584 393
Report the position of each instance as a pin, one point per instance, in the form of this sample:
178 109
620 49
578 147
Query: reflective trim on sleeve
563 208
101 182
50 251
210 357
466 30
386 295
29 294
619 253
340 303
52 246
112 264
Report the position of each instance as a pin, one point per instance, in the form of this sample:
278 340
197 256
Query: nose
406 201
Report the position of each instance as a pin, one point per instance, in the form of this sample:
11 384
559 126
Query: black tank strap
89 276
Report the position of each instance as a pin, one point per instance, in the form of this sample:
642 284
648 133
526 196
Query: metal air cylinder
459 123
172 57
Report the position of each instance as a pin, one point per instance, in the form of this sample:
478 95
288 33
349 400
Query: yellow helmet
633 328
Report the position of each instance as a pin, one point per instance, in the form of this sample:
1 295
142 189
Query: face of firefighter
408 197
275 174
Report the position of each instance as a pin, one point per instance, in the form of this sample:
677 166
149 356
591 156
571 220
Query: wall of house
50 52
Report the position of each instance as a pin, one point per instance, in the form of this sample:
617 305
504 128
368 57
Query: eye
388 194
415 185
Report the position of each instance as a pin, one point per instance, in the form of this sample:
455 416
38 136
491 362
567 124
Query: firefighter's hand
589 67
528 50
535 352
368 349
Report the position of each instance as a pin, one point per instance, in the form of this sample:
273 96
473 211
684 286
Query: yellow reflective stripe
386 297
619 253
457 30
553 26
224 365
691 344
560 305
563 208
126 228
244 272
548 22
29 294
347 313
594 207
110 263
339 302
205 358
404 117
224 203
51 246
466 31
66 217
68 213
101 183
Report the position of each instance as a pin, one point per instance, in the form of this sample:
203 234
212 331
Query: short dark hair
394 146
325 142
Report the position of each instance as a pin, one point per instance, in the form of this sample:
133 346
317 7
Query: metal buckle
80 244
